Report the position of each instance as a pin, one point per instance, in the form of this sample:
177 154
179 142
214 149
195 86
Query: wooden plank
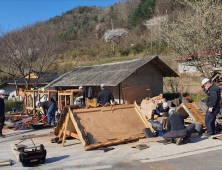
154 139
13 150
80 134
61 131
215 136
65 130
74 135
198 117
194 104
136 93
143 117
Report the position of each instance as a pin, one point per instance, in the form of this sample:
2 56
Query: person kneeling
162 109
176 131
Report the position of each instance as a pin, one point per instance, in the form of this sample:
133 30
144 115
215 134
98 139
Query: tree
116 35
197 33
142 12
25 50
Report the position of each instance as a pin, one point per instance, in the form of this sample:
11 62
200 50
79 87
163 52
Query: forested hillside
90 35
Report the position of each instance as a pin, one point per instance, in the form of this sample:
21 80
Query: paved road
211 160
202 153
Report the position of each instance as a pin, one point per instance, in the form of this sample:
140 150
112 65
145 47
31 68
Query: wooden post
66 125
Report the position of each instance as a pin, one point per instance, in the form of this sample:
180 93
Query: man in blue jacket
50 107
213 103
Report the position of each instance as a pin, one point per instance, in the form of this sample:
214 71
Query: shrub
124 51
9 104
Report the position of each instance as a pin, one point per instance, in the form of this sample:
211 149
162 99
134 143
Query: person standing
104 96
2 112
176 130
213 104
82 97
50 107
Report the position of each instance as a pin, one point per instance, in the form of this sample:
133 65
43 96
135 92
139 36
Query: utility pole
112 42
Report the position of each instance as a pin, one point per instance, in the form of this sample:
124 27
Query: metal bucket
147 133
198 127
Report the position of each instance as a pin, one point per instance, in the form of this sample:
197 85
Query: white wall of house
186 67
11 91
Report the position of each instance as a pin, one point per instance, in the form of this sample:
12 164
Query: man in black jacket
213 103
2 112
176 129
104 96
50 107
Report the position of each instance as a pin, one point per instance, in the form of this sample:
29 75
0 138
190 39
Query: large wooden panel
111 124
103 126
136 93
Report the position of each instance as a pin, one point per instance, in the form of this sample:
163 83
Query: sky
18 13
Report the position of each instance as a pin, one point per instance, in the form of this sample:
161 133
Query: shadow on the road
55 159
73 144
198 139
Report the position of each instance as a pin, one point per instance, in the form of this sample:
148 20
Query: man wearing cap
2 112
81 98
51 108
161 110
213 103
104 96
176 130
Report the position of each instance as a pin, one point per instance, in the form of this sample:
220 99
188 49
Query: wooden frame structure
31 96
70 96
49 94
102 126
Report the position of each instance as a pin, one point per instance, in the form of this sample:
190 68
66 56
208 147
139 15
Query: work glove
45 117
161 114
210 109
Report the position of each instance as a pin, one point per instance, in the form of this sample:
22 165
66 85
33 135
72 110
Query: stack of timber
193 111
148 105
102 126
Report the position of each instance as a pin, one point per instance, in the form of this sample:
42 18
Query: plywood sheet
103 126
115 124
136 93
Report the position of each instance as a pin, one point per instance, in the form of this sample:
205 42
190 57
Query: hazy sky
18 13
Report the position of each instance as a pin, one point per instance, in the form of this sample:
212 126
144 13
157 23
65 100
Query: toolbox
157 126
31 155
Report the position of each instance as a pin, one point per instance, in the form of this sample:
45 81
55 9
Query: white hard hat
171 111
37 103
205 80
80 87
103 85
165 105
2 92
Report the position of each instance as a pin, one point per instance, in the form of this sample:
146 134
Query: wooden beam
143 117
74 135
65 130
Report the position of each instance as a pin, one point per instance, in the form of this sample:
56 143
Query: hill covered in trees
90 35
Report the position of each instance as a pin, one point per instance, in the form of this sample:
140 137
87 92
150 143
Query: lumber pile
148 105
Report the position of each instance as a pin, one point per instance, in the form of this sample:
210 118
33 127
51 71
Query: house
186 65
35 81
129 77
